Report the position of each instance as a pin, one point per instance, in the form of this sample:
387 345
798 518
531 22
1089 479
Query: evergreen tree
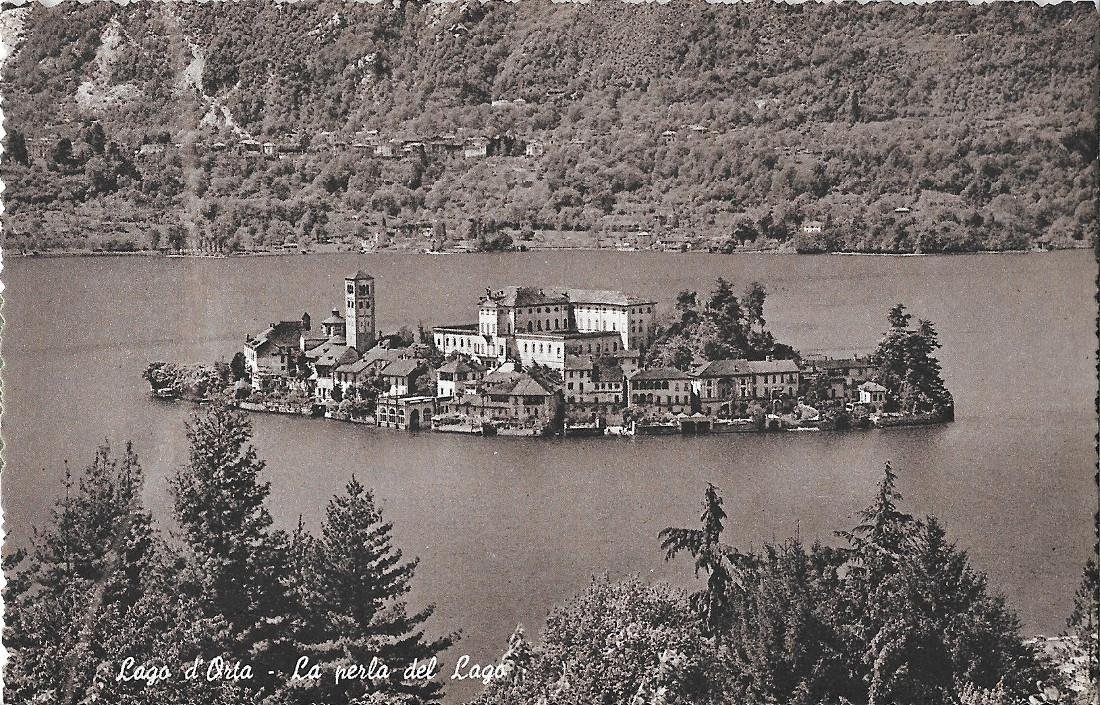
1084 623
784 644
98 587
16 147
237 562
908 368
940 627
722 563
360 580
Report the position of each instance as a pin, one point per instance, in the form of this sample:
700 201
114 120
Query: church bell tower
359 311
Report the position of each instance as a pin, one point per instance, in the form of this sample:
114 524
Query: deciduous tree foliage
772 114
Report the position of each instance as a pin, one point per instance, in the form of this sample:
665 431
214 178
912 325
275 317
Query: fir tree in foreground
236 564
895 616
100 585
353 583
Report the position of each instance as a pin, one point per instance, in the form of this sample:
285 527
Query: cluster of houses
534 356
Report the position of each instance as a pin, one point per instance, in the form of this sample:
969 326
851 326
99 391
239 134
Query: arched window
530 327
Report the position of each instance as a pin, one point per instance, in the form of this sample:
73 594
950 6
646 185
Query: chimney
335 312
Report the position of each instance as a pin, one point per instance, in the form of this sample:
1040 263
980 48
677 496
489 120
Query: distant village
659 228
535 362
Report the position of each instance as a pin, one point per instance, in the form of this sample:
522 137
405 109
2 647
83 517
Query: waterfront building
662 389
726 387
593 381
273 352
405 413
844 375
456 377
510 396
542 326
773 379
872 394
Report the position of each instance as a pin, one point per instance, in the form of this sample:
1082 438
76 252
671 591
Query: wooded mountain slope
720 124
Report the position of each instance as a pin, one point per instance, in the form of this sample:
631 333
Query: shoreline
154 253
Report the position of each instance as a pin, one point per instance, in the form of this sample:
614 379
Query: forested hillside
943 127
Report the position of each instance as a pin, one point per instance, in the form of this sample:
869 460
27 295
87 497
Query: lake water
505 528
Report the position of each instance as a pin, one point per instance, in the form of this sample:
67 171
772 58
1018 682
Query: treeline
721 327
894 614
100 584
932 128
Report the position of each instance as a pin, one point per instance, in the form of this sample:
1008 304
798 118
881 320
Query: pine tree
908 368
100 586
877 542
722 563
238 563
360 588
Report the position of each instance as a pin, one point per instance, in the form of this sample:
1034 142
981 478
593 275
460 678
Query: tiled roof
360 274
332 356
767 367
725 368
400 368
661 373
872 387
282 334
460 365
604 296
325 347
527 296
528 387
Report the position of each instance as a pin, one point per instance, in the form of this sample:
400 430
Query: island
572 362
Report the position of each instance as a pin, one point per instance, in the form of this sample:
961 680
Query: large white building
543 326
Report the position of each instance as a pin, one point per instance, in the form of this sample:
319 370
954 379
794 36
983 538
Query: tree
920 617
235 558
1084 622
239 366
909 370
61 155
621 643
722 563
785 644
16 147
100 586
358 594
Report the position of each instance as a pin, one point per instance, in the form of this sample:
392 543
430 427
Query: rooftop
660 373
400 368
282 334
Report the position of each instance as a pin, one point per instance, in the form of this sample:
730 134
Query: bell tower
359 311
